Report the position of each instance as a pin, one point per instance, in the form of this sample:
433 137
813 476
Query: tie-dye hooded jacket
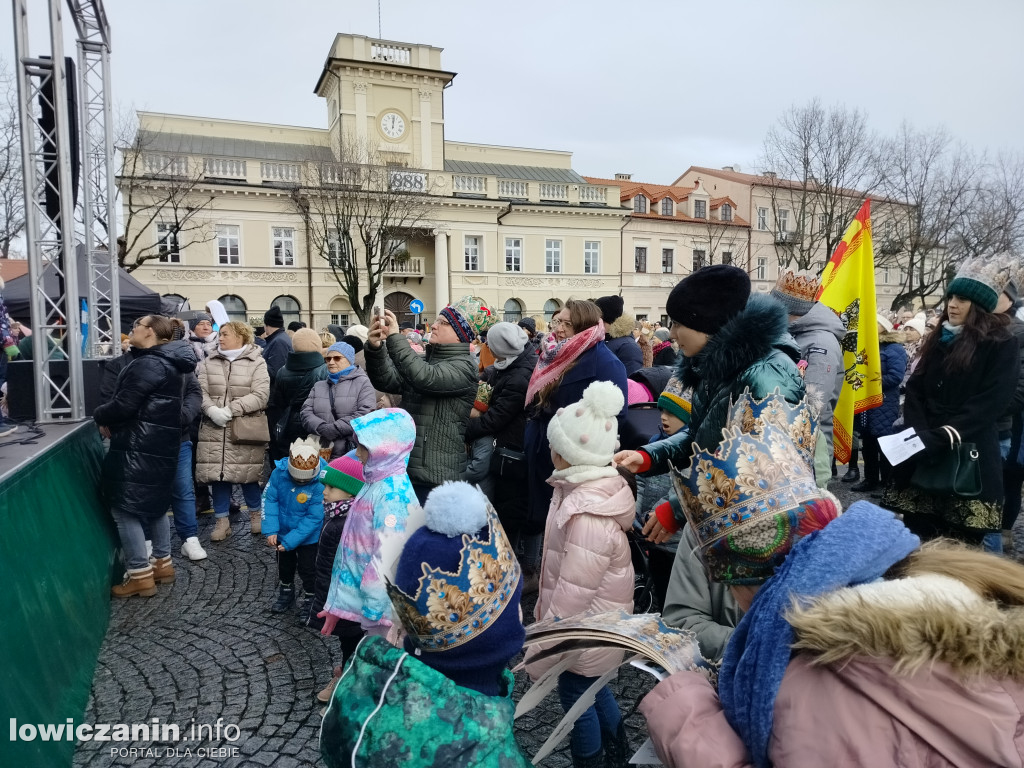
357 590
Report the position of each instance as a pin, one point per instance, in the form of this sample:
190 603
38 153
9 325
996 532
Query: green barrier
57 553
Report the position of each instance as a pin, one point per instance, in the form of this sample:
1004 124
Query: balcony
469 185
403 269
394 54
223 168
592 194
281 172
513 189
165 165
555 192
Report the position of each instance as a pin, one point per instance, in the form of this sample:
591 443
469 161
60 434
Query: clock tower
386 96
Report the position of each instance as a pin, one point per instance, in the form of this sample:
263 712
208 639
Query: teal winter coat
392 711
752 351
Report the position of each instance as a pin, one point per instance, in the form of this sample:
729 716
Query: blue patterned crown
450 607
749 501
798 420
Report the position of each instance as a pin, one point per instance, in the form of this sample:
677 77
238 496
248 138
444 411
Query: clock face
392 125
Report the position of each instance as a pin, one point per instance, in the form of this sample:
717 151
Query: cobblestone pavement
208 647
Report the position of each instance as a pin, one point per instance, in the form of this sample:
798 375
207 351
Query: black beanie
611 308
273 318
707 299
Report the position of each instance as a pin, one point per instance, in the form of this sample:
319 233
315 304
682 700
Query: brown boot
325 695
138 581
221 529
163 570
255 521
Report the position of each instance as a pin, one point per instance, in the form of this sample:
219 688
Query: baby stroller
645 593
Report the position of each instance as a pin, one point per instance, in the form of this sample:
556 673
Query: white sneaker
149 548
192 549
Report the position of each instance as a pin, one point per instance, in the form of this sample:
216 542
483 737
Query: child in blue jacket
293 513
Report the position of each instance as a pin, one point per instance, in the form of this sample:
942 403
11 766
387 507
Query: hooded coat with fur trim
587 565
619 338
919 671
752 351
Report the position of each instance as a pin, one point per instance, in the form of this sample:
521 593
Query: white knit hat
587 432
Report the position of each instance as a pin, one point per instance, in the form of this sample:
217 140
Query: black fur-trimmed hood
748 337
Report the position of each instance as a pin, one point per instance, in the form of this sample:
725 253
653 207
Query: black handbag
508 463
955 472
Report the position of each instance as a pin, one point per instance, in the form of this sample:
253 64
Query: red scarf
557 357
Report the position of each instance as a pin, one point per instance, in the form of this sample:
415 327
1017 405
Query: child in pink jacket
586 563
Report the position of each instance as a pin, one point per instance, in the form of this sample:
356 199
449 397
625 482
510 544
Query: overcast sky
647 88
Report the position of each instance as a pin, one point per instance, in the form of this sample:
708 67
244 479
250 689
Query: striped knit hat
346 473
676 400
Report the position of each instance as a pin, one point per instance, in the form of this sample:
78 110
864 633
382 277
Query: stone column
361 134
426 118
440 270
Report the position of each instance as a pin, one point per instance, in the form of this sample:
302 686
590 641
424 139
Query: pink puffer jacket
587 564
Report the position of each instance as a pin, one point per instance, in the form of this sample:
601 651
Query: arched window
639 204
513 311
551 306
289 307
234 306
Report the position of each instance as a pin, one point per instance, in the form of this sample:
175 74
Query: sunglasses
334 359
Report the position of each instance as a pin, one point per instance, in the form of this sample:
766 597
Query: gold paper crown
803 287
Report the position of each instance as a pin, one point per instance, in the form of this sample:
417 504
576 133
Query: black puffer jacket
291 388
438 392
505 417
144 416
326 550
275 353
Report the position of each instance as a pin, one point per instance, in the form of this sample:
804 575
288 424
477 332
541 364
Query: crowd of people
420 481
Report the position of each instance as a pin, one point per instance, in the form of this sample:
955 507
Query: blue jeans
603 715
183 495
221 493
133 538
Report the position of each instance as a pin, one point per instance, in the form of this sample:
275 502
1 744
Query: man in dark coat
1011 426
279 343
618 328
303 368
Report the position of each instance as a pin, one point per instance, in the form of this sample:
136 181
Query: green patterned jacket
425 721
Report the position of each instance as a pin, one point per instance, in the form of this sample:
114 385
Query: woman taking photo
573 356
235 384
332 404
143 421
965 378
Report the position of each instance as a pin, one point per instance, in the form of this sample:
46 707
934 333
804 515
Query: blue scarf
855 548
336 377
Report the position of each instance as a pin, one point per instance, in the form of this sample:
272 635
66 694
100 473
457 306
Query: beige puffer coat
587 564
244 384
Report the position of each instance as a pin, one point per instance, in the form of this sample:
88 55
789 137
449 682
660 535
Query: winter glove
220 416
328 431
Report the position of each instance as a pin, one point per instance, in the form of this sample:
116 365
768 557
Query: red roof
12 268
658 192
771 181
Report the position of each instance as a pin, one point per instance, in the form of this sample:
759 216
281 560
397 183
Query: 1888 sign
404 181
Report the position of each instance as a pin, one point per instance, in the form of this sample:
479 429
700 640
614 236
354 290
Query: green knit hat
676 400
981 281
346 473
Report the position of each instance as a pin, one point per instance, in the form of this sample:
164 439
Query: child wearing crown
587 564
293 512
445 699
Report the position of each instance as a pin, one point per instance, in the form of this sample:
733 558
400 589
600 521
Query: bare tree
12 191
359 212
994 218
163 199
931 186
720 241
818 167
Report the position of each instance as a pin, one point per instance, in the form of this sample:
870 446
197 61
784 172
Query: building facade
518 228
671 231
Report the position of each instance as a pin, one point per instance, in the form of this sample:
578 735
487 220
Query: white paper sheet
646 755
901 446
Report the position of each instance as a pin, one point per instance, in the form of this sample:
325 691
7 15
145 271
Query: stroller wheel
644 598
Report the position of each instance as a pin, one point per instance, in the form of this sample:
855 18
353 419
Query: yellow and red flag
848 288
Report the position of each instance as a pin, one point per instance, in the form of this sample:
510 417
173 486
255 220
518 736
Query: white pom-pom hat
587 433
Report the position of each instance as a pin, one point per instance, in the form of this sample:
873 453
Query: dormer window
700 209
666 206
639 204
725 212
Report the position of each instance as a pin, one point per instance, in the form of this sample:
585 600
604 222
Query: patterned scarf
556 357
855 548
337 508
